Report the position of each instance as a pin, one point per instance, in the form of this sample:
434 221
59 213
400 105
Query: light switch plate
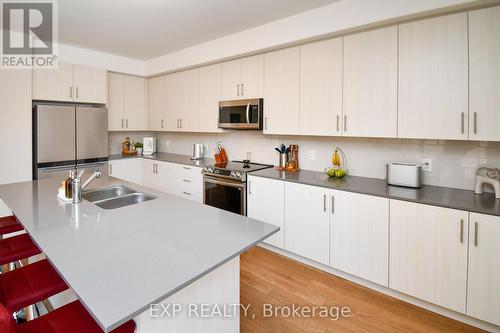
312 155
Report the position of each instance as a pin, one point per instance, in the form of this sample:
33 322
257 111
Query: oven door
225 194
241 114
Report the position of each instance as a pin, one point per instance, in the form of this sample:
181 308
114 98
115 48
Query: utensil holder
283 160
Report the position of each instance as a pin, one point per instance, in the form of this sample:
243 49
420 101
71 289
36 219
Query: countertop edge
388 196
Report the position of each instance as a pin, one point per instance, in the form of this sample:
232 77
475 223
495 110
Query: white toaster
404 174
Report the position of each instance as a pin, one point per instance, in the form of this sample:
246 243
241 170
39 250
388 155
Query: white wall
454 162
332 19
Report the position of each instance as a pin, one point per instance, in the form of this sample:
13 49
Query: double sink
116 197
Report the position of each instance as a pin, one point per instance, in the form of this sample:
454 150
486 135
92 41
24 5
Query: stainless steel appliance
68 136
198 151
149 146
225 185
241 114
404 174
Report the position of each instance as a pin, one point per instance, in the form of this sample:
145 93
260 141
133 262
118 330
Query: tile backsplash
454 163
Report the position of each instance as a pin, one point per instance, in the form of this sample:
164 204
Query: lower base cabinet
266 203
307 221
428 253
130 170
483 295
359 236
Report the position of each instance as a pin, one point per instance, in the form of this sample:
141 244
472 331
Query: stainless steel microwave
241 114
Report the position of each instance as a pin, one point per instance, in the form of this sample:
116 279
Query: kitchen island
120 261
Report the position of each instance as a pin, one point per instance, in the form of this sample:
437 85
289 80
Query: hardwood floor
269 278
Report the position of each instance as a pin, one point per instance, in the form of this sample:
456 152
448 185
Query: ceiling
144 29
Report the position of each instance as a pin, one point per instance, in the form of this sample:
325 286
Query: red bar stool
29 285
9 224
69 318
16 248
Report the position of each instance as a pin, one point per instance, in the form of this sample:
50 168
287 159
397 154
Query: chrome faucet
77 188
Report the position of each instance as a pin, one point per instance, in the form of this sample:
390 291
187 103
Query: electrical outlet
167 143
427 164
312 155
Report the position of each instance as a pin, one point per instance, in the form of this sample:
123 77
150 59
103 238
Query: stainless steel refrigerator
67 136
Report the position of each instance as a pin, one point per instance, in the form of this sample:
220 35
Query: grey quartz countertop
427 194
168 157
119 261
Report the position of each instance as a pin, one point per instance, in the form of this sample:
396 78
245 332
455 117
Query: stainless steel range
225 185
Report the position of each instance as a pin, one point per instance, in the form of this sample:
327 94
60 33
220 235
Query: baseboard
387 291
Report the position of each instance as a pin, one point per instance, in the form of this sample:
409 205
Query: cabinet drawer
188 184
191 195
188 172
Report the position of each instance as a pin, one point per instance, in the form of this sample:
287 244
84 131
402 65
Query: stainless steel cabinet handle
338 119
154 169
186 180
162 123
324 202
122 122
187 168
77 92
111 169
249 187
461 230
475 122
265 123
126 122
333 204
345 123
242 91
476 227
238 89
462 122
70 92
181 122
187 193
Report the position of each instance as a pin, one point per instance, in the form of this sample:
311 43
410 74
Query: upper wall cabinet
370 83
210 91
433 75
243 78
156 104
127 102
70 83
281 92
321 88
484 74
182 101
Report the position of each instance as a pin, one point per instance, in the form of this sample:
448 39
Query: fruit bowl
337 173
339 161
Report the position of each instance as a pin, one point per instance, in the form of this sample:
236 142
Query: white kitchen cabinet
210 95
359 235
129 169
127 107
187 182
428 253
182 101
433 78
156 104
484 74
70 83
266 203
307 221
281 92
115 102
371 83
54 84
157 175
243 78
321 88
483 296
90 84
135 105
